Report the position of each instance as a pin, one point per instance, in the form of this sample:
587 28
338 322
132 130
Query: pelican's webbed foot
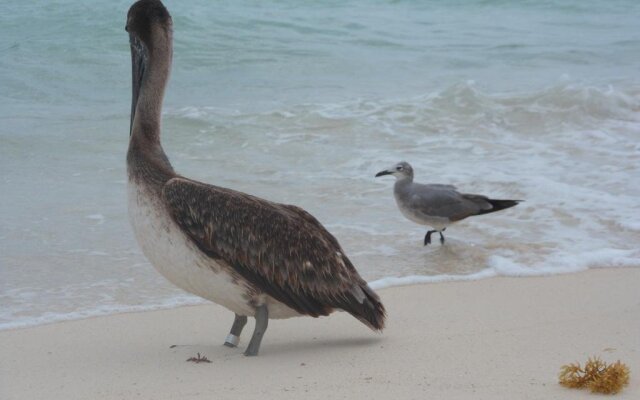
233 338
262 320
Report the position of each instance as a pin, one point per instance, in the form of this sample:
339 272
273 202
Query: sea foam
540 102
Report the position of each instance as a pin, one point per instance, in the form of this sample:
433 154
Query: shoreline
385 283
493 338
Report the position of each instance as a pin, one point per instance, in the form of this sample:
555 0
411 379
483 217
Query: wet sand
500 338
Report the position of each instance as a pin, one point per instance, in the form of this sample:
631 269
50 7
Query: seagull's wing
439 186
280 249
445 202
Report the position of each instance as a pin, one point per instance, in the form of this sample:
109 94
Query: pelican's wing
282 250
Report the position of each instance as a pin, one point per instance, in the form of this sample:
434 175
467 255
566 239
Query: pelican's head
148 21
150 35
401 170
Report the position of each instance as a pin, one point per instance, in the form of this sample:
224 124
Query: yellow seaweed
596 375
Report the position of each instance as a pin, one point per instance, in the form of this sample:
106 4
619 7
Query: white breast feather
438 223
170 251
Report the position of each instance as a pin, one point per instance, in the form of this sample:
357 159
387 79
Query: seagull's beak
382 173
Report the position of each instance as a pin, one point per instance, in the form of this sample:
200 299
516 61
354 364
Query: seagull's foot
427 237
441 237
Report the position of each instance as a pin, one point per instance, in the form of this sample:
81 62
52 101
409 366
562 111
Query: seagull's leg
233 338
441 236
427 237
262 320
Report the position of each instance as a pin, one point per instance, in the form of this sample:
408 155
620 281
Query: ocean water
303 102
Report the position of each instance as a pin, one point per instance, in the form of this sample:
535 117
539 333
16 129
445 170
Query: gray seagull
436 205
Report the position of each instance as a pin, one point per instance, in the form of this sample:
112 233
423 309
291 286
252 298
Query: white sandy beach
501 338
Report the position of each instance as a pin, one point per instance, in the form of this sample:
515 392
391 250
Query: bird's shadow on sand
300 347
324 345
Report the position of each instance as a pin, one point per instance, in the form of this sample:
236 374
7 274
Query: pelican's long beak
138 65
385 172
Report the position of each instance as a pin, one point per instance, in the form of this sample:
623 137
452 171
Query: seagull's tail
366 306
498 205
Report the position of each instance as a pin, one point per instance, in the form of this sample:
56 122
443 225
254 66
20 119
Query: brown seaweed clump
199 359
596 375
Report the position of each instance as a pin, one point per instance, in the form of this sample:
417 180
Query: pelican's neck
148 112
145 157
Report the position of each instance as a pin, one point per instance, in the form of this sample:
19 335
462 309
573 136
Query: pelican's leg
427 237
233 338
262 320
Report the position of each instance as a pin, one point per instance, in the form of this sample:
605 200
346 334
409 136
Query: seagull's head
401 171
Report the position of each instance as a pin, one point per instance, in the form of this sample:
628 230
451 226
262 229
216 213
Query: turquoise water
303 102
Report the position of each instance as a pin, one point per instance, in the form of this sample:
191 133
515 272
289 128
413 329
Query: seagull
255 257
436 205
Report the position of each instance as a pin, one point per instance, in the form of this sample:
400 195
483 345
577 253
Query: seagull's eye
399 168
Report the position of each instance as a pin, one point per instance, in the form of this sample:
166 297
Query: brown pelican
255 257
435 205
